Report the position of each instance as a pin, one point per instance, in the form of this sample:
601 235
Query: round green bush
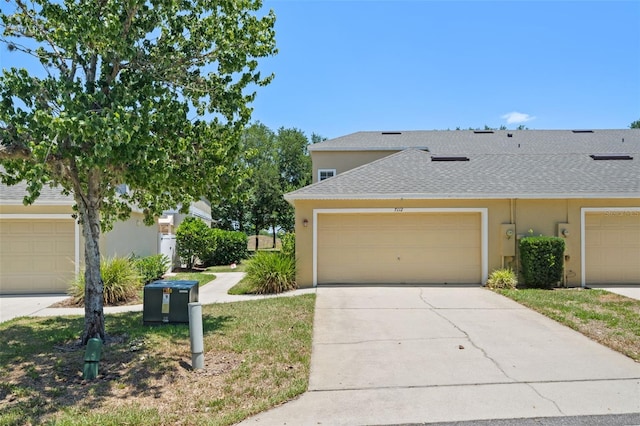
195 241
230 247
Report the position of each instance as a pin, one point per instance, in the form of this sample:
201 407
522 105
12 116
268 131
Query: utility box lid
179 285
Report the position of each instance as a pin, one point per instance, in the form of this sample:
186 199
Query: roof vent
391 133
611 157
449 158
509 135
582 131
482 131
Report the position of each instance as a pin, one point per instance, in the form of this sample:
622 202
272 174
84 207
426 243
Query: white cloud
517 117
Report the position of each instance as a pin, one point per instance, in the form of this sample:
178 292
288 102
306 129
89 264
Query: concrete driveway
393 355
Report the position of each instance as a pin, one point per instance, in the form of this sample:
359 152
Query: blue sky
346 66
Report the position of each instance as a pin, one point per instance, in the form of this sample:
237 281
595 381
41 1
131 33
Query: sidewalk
213 292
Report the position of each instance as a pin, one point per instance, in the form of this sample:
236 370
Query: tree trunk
273 227
257 236
89 210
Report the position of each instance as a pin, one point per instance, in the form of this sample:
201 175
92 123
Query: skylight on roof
582 131
449 158
611 157
391 133
482 131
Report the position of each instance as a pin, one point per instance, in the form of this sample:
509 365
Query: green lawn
607 318
240 267
257 356
202 277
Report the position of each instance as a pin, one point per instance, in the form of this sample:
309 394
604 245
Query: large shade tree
119 99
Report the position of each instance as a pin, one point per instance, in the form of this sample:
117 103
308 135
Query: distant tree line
271 163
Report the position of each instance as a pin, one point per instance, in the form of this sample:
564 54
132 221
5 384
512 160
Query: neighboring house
448 207
41 245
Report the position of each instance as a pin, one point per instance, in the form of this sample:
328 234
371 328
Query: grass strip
607 318
257 357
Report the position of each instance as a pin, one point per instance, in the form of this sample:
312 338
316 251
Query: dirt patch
131 373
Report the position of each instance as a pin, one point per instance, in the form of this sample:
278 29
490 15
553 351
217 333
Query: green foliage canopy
124 82
124 87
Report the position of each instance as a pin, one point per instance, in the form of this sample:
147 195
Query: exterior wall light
305 222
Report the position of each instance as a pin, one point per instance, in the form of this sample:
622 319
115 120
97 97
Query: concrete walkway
628 291
420 355
39 305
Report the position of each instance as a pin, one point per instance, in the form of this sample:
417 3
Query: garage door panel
37 255
612 248
406 248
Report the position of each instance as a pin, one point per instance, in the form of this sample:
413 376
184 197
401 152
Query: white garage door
418 248
36 256
612 247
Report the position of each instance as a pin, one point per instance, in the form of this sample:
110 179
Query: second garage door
612 247
411 248
36 256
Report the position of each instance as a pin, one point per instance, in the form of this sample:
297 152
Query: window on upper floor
325 174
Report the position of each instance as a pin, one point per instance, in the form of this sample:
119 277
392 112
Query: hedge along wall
542 261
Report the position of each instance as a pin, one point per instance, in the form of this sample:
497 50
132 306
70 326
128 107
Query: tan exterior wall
130 237
342 161
544 216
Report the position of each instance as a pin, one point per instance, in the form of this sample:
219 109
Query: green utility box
167 302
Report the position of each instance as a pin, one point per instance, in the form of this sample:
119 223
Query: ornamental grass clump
272 272
121 282
502 278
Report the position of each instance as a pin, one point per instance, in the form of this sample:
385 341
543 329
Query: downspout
513 222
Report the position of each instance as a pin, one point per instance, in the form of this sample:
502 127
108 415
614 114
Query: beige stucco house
41 245
448 207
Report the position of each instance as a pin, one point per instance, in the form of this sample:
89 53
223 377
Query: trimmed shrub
194 241
502 278
289 244
542 261
272 272
121 282
230 247
151 268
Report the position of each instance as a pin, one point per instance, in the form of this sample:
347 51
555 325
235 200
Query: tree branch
60 58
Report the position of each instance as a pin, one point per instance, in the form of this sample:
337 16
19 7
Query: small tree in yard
123 85
194 241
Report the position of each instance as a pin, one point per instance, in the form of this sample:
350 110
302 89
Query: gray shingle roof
467 142
547 164
14 194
